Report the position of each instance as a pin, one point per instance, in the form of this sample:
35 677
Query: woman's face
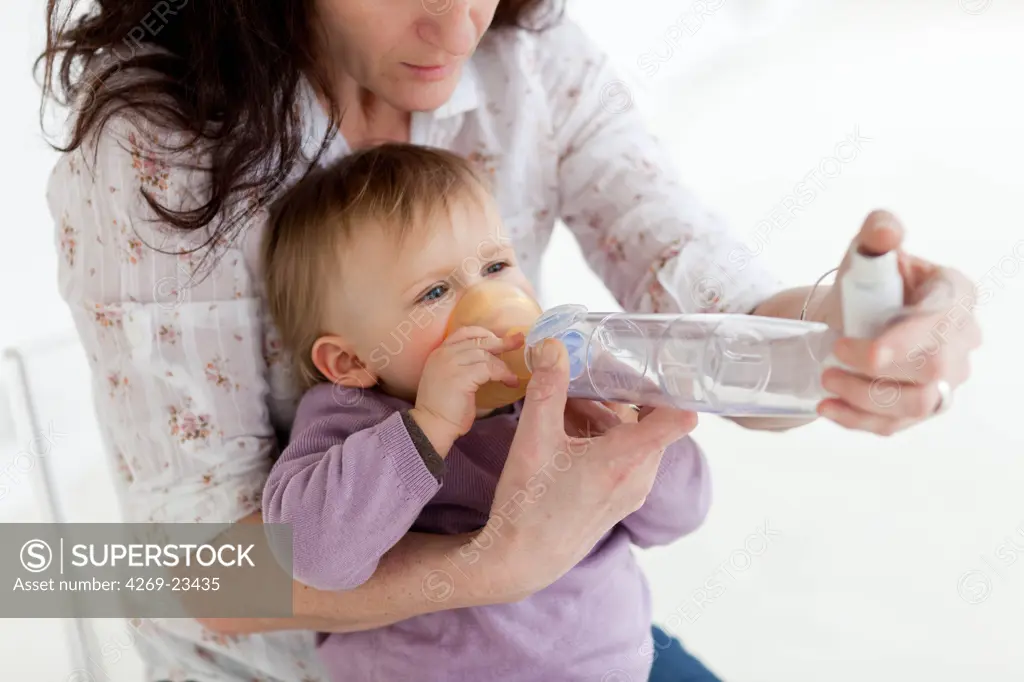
407 52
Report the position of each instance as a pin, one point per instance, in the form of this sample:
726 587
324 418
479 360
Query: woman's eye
435 293
496 267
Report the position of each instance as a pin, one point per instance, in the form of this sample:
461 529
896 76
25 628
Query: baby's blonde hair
393 185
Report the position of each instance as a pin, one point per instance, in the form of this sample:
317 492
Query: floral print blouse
189 379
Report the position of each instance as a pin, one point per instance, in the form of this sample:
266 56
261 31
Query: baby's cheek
421 344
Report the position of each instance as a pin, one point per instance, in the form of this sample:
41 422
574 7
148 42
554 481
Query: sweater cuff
431 459
405 459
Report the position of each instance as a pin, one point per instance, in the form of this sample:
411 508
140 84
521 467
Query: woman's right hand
558 495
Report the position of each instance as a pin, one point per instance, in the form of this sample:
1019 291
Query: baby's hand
446 398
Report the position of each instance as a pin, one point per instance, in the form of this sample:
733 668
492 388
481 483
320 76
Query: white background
878 547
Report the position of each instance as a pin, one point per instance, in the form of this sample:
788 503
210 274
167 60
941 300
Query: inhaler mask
503 309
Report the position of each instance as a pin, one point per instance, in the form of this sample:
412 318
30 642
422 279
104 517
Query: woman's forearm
789 303
421 574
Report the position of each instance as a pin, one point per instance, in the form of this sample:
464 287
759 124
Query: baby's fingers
473 336
485 367
512 341
488 343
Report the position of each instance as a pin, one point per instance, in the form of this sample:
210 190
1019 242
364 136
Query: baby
363 263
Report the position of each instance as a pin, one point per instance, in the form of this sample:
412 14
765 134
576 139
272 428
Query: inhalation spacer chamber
728 364
717 363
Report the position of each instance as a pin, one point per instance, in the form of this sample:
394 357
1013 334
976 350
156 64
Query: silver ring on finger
945 397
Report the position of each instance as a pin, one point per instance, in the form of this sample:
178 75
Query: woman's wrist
490 560
483 568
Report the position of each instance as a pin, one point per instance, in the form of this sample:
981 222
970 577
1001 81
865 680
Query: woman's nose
448 25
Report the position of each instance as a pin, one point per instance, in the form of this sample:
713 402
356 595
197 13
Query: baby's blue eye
435 293
496 267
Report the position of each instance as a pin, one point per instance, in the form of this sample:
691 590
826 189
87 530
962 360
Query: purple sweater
355 479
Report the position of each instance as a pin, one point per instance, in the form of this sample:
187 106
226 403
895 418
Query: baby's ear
336 360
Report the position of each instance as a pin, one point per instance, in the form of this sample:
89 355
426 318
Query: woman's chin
420 96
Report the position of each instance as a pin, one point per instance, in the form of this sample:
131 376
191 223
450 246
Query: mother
190 117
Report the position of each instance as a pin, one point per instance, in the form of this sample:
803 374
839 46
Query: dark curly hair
224 73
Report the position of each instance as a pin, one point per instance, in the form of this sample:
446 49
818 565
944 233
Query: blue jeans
673 663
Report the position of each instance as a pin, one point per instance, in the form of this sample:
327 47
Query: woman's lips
431 73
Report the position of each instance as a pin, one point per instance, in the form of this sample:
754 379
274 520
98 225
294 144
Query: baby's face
397 298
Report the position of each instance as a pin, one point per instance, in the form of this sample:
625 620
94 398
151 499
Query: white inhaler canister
871 292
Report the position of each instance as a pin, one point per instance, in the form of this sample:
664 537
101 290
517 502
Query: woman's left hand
908 373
